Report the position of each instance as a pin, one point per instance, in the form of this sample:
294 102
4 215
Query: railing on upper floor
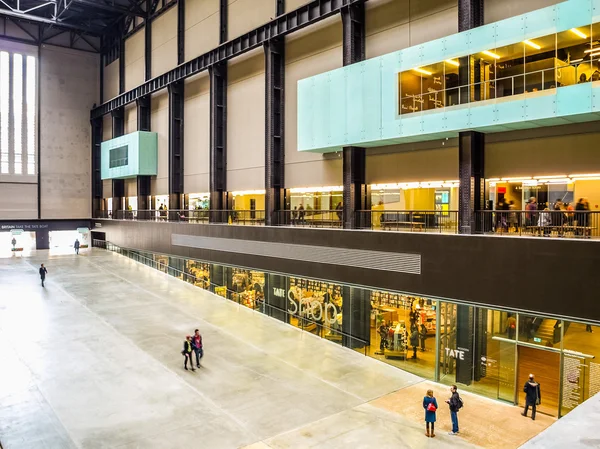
241 217
544 223
309 218
260 303
408 220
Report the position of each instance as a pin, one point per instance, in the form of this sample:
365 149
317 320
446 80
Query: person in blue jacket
430 405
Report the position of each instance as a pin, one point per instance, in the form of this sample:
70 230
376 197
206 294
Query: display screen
118 157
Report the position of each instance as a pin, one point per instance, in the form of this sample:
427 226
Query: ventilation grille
358 258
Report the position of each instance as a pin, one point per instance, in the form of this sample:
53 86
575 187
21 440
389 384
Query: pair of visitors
430 405
193 344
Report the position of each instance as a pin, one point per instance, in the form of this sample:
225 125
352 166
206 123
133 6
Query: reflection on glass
410 90
539 330
540 63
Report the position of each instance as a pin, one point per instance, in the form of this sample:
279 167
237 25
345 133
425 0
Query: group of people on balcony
539 218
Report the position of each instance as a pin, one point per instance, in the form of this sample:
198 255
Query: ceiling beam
39 19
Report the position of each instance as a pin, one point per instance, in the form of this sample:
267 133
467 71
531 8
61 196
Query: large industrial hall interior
293 224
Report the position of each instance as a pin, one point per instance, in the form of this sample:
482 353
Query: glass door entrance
544 364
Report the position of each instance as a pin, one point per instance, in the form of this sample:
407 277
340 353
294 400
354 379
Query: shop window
573 53
411 83
198 274
541 63
248 288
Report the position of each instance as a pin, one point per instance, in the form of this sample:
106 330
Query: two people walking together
193 345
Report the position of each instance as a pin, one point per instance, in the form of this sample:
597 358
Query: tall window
18 79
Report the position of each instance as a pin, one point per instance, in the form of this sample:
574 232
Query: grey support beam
97 125
118 185
143 182
471 145
223 18
148 42
354 164
279 7
218 141
274 130
121 69
181 32
176 98
283 25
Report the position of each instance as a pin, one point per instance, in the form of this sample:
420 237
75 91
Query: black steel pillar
122 66
97 125
148 41
118 185
180 31
354 176
143 182
223 21
356 317
279 7
218 141
274 126
176 99
471 145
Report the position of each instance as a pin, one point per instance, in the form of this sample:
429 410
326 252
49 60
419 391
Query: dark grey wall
552 276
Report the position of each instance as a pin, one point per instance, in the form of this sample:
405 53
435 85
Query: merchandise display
315 303
249 286
221 291
198 274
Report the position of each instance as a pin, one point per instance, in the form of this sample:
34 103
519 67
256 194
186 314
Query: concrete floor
93 361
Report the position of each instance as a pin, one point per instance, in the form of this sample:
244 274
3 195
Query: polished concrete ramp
93 361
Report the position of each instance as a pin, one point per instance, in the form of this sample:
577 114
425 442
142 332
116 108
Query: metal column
354 176
175 144
118 185
471 145
180 32
274 127
148 41
121 66
97 125
218 141
143 181
471 195
279 7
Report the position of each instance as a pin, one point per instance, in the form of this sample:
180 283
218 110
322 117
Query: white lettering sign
279 292
312 309
455 353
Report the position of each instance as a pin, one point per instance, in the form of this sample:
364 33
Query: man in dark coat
187 352
43 273
533 396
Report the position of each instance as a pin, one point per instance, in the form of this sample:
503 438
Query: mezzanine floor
93 361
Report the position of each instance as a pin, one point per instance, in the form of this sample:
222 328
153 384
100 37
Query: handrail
103 243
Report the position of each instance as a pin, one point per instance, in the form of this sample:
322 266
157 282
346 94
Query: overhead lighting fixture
591 50
532 44
576 60
578 33
424 72
453 62
491 54
591 55
585 175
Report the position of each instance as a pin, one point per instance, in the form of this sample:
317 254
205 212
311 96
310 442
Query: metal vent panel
358 258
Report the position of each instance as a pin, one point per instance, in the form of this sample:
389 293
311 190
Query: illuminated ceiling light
591 50
453 62
516 179
248 192
576 60
578 33
585 175
591 55
424 72
532 44
491 54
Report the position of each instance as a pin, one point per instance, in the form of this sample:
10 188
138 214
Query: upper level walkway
93 360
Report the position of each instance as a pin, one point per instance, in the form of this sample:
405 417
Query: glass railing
241 217
310 218
567 223
408 220
297 319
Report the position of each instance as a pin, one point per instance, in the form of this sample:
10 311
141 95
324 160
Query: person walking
588 328
430 405
414 339
187 353
43 273
511 327
533 396
14 243
422 336
197 346
76 246
455 404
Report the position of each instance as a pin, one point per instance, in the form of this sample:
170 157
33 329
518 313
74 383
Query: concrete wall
246 124
131 122
495 10
69 86
201 27
134 60
164 42
245 15
160 125
111 80
197 134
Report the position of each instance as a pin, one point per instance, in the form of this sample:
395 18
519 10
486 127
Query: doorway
545 365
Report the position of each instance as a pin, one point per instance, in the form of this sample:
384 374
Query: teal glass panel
483 115
336 134
411 57
595 5
573 13
148 153
596 97
456 45
540 23
320 113
305 113
540 106
412 125
390 123
371 88
573 100
433 121
510 111
481 38
433 51
356 102
129 156
510 31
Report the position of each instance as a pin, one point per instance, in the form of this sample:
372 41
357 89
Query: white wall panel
18 201
197 135
495 10
134 60
131 122
246 15
164 42
201 27
111 80
160 125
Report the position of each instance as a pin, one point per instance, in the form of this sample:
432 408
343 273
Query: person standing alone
455 403
43 272
533 396
76 245
197 346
